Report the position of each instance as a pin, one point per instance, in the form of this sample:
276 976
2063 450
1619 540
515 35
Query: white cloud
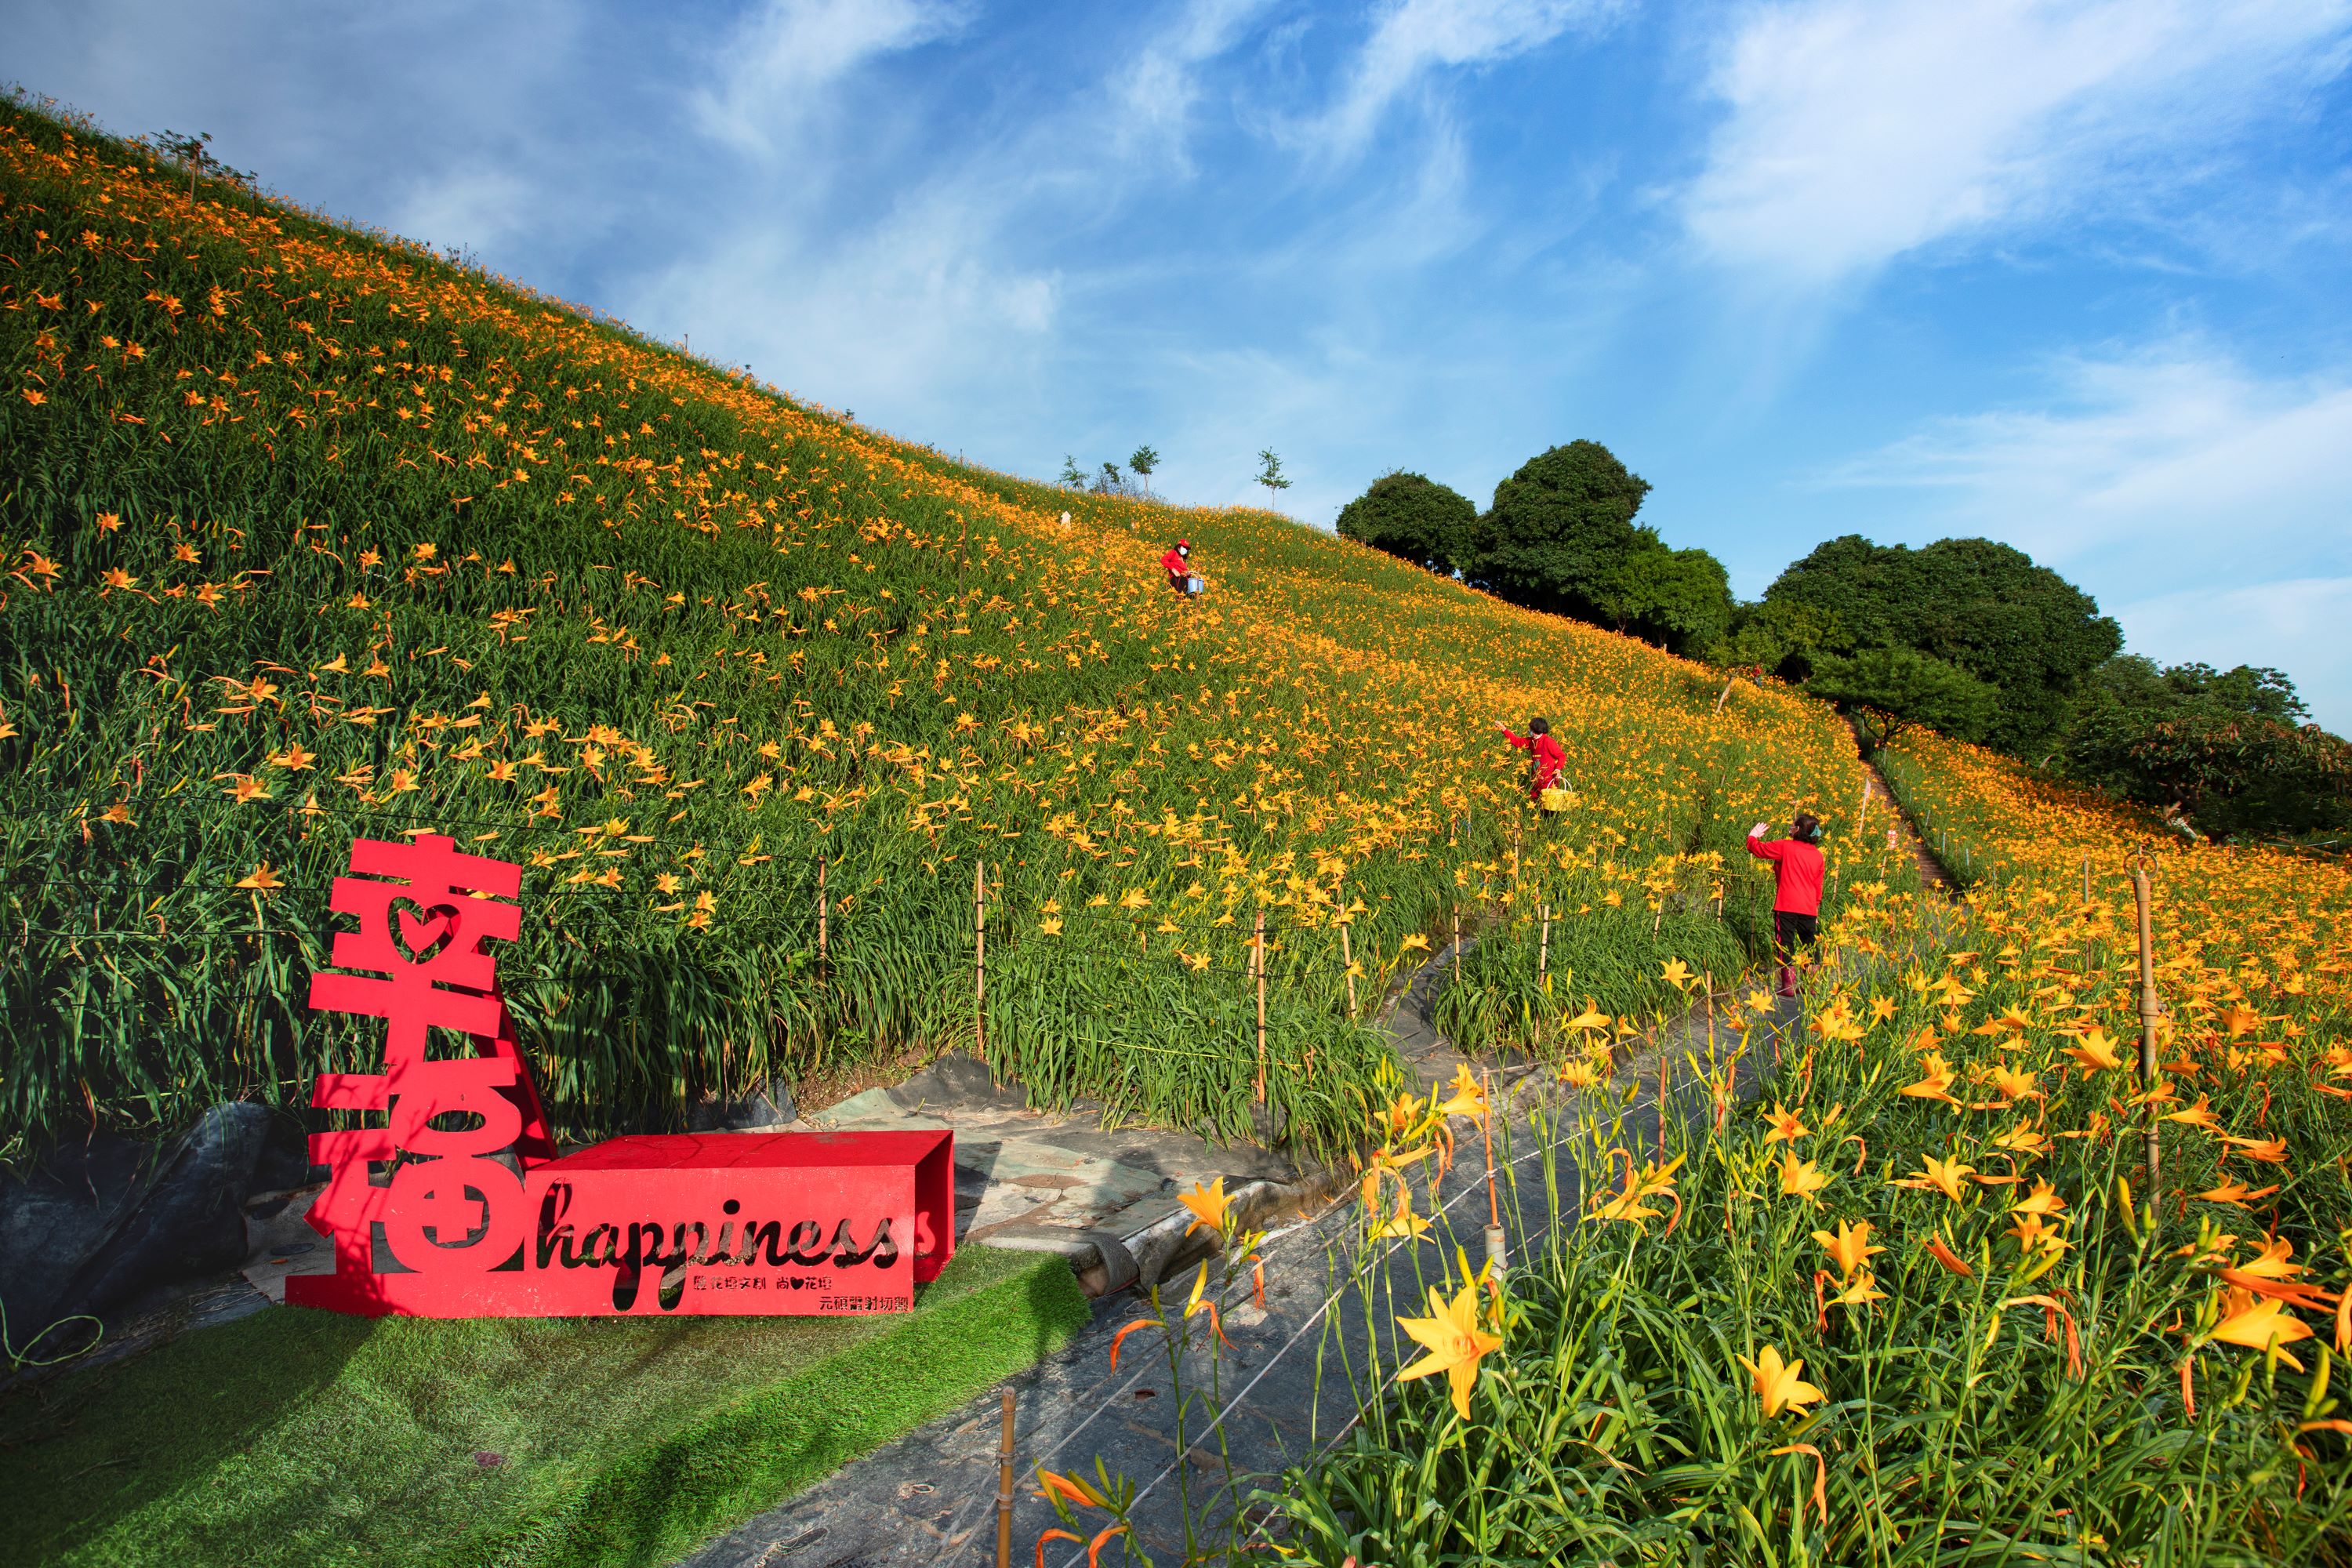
1153 100
1412 37
2297 624
2167 461
775 68
1858 130
914 314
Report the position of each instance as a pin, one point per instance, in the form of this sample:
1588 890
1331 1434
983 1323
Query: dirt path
1905 833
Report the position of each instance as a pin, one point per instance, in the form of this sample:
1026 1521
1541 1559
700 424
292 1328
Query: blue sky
2078 276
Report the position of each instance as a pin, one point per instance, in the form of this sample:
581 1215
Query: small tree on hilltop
1142 462
1887 689
1072 474
1269 474
1109 482
195 154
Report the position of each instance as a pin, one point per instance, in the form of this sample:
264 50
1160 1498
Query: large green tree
1679 599
1562 527
1411 516
1561 536
1981 606
2227 750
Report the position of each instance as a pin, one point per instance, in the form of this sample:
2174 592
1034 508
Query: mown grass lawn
301 1438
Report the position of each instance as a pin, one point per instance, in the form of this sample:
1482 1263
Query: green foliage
1270 475
1073 476
1887 689
2222 749
300 1437
1415 519
1776 635
1560 527
1679 599
1142 461
1981 605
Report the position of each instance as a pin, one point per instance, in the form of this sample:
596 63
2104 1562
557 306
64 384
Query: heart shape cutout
422 936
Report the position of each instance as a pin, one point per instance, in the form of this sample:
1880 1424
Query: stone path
1281 1390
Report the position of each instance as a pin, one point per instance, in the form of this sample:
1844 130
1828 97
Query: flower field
1928 1302
308 535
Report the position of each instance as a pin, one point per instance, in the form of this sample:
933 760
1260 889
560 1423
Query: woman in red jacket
1797 895
1549 758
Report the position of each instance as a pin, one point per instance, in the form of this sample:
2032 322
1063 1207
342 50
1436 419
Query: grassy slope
379 546
304 1438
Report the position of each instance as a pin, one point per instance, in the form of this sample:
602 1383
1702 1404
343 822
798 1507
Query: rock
771 1107
956 1079
102 1220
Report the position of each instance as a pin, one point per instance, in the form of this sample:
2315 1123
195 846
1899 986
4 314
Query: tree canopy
1886 689
1416 518
1560 526
1978 605
2225 749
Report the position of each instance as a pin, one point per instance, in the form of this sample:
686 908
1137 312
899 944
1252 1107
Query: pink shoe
1788 979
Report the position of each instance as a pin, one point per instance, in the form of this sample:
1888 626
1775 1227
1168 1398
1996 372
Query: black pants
1791 931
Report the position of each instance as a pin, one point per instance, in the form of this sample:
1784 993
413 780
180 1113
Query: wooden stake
2150 1010
1347 952
1257 944
823 912
1004 1488
980 959
1543 948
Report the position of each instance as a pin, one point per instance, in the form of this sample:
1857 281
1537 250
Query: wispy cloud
1409 39
2174 459
1856 131
775 66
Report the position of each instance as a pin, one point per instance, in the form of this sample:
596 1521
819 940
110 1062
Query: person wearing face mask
1796 868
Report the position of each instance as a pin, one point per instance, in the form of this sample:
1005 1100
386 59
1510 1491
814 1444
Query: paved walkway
1281 1390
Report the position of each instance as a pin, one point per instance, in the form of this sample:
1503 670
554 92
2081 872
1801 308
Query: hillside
310 535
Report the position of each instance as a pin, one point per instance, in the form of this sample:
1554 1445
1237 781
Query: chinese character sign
456 1205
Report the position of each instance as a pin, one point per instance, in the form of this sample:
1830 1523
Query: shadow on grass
302 1437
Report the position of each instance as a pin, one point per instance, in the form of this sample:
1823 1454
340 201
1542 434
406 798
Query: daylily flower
1800 1178
2259 1323
2234 1192
1467 1098
1455 1343
1937 1082
2043 1200
1944 1176
1209 1204
1850 1248
1786 1127
1778 1385
2095 1051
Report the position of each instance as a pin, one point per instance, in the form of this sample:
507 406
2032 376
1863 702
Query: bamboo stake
1257 944
1543 949
1004 1488
824 913
1347 952
2150 1008
980 958
1495 1258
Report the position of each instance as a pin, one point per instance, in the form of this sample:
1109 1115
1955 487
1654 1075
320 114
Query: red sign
458 1204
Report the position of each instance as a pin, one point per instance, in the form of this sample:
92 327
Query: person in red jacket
1549 758
1177 563
1797 896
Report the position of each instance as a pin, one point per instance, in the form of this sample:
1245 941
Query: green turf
302 1437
